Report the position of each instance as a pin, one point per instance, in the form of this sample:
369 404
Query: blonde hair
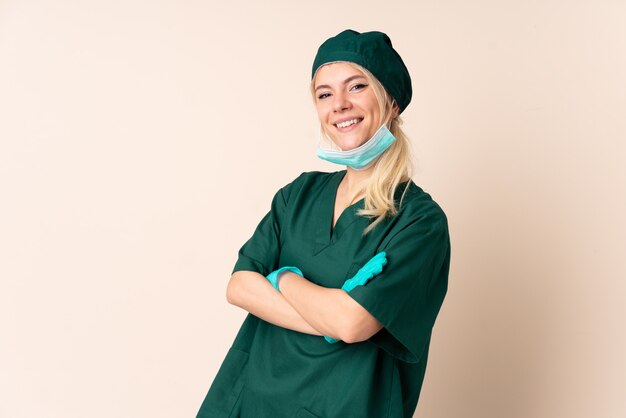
392 168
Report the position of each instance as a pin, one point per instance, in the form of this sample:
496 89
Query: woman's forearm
252 292
332 311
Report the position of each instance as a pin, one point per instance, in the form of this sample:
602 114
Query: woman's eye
323 95
359 86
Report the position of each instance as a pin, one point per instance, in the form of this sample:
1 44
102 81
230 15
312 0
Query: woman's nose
341 103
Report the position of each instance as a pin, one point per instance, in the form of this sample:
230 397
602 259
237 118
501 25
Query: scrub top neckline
326 233
336 189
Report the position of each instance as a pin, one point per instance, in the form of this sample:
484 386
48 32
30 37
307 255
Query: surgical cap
373 51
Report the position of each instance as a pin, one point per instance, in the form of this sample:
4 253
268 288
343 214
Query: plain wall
142 141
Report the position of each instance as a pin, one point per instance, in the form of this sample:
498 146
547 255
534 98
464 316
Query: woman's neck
355 180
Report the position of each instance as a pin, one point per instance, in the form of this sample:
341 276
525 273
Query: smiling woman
379 110
342 294
346 106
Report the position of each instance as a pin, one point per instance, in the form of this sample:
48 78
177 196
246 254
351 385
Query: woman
345 275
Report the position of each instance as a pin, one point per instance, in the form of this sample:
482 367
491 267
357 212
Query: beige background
141 142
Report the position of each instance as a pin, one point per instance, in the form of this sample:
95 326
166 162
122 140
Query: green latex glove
366 273
273 276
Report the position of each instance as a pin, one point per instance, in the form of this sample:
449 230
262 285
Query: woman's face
346 105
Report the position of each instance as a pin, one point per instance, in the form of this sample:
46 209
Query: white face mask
363 156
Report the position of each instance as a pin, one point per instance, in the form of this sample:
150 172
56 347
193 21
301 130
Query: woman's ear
396 110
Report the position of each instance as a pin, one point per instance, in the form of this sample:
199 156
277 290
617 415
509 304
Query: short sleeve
261 252
407 296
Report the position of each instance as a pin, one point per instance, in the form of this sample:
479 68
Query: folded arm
332 311
302 306
252 292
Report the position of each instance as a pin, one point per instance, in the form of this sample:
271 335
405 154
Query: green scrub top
274 372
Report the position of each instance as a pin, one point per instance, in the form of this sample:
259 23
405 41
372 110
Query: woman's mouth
346 124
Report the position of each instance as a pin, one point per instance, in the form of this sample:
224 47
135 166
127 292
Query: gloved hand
273 276
372 268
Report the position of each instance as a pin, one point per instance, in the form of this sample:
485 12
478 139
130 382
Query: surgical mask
363 156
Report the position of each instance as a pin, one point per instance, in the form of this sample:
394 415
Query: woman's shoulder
317 176
417 204
311 178
306 182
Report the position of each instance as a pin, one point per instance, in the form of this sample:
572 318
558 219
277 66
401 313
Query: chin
349 144
351 147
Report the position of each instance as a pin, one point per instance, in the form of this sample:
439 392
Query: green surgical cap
373 51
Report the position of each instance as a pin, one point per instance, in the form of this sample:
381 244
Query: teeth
347 123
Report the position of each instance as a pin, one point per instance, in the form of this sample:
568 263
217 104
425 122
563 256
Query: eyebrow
346 81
